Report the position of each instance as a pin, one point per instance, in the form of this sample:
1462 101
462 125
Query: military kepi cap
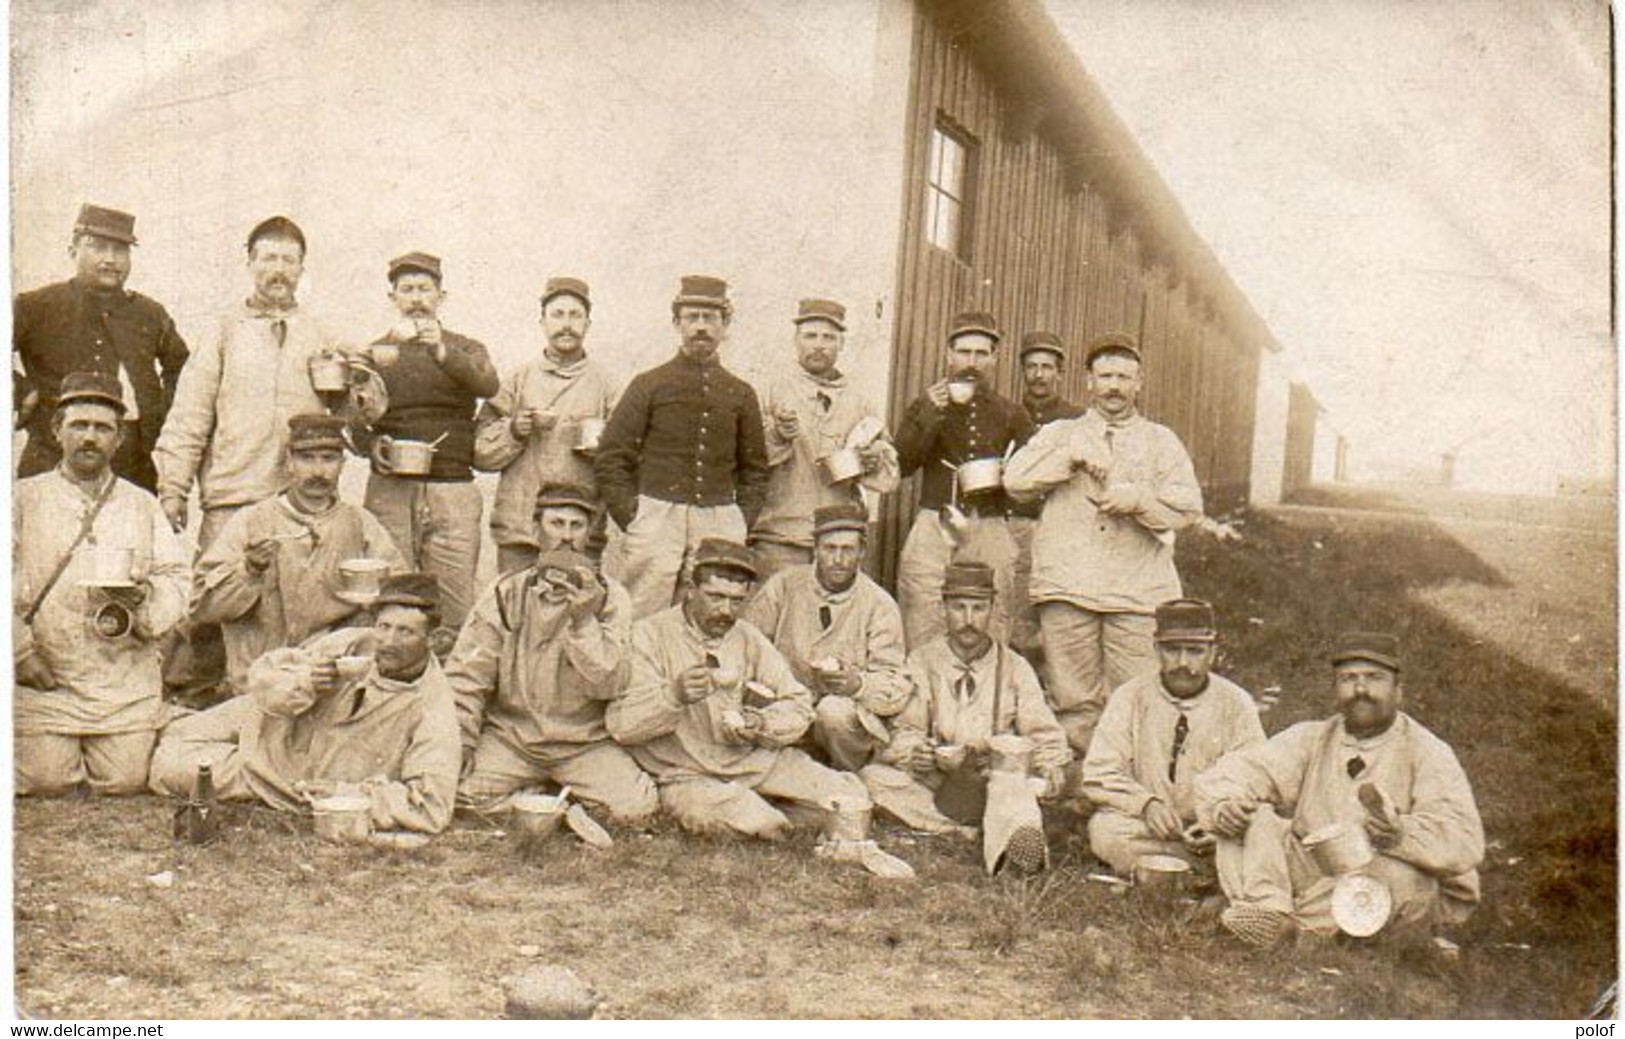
1376 646
968 581
311 431
973 321
105 223
1185 620
702 290
1112 343
410 589
846 515
730 555
557 494
1043 342
415 261
567 287
821 310
94 386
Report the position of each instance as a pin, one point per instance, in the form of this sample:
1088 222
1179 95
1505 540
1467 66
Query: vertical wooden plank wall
1046 257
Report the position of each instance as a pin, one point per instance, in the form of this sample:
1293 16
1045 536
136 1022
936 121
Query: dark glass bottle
196 821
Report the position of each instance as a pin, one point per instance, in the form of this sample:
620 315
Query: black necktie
825 617
824 401
279 329
1182 728
965 686
1356 765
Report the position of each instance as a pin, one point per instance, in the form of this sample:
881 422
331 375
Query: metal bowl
841 465
1338 849
981 474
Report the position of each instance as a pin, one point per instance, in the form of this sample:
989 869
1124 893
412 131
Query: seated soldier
713 709
537 661
1158 733
843 637
356 711
1369 767
968 689
271 578
98 577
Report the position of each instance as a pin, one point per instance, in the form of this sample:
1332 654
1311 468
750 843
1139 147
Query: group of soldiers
681 621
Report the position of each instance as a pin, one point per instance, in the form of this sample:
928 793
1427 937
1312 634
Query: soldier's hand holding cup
259 555
785 422
694 684
325 679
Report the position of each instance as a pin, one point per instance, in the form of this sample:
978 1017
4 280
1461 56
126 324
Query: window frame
939 193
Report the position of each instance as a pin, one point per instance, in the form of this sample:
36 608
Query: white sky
1413 194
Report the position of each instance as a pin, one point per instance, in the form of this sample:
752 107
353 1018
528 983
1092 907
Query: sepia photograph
857 509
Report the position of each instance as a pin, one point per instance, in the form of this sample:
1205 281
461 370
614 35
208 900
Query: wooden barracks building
911 158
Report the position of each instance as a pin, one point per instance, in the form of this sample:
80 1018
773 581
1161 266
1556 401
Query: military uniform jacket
65 328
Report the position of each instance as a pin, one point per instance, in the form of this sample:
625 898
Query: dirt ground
271 923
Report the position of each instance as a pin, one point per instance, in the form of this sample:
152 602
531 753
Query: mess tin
1338 849
848 820
343 818
1361 905
535 815
841 465
403 457
329 373
361 580
562 579
352 666
981 474
950 756
1162 875
758 695
589 431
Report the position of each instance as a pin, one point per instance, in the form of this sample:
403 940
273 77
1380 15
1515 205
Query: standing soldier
228 428
91 323
1118 486
1043 364
434 378
539 427
684 457
960 419
812 417
97 578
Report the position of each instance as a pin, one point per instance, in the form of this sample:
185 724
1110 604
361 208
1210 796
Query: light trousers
706 804
435 525
1119 840
1270 868
54 763
925 557
1088 654
600 773
654 553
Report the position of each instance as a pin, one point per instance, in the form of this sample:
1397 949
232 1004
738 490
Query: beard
1184 683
